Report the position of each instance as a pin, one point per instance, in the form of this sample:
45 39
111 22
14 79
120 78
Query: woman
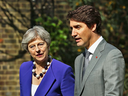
43 76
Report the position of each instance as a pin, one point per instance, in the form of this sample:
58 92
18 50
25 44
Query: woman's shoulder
60 66
60 69
58 63
26 65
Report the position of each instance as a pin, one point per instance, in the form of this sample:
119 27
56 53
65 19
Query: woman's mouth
39 54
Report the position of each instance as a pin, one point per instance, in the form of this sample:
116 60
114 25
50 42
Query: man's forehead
75 23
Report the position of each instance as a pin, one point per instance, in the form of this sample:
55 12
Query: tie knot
87 54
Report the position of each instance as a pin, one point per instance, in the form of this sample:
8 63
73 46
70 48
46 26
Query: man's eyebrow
75 25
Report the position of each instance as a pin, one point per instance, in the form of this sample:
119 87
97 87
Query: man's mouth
77 39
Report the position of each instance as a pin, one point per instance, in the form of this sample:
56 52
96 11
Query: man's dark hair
88 15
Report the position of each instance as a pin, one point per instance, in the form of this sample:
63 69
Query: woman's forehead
36 38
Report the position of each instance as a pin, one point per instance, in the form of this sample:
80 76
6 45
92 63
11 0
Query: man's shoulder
106 46
110 47
110 50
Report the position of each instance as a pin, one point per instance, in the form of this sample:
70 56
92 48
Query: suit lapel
27 81
96 56
46 83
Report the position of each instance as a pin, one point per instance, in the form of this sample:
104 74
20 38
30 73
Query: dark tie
86 62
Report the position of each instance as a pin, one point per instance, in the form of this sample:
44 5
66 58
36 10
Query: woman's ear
48 48
29 52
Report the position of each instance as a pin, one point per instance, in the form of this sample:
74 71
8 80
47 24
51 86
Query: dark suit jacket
58 81
104 75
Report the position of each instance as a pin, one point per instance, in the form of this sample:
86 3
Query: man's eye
77 27
71 28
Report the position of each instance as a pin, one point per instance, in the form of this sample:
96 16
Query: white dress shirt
33 89
94 46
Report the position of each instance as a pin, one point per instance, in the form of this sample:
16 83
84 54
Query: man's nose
74 33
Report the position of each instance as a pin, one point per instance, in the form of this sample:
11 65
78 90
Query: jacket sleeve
114 70
67 85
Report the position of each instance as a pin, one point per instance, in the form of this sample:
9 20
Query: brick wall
61 9
10 59
10 39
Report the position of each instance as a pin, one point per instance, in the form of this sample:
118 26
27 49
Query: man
103 75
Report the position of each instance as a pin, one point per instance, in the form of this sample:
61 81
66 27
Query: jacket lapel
97 54
46 83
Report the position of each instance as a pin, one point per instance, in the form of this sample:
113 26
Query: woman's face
38 49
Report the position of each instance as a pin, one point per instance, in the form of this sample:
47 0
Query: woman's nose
37 49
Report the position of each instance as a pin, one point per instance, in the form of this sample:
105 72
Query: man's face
81 33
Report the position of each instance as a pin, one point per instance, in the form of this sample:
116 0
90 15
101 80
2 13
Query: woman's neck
41 64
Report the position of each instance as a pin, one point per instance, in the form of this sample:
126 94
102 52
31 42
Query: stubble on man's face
81 33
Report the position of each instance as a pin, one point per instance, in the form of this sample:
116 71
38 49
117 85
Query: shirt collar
94 46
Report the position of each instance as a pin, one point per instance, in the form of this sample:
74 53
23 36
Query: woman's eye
41 44
32 46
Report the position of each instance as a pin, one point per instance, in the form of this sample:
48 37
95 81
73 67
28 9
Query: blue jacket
58 81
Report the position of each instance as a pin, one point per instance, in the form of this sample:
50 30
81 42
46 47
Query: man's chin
78 44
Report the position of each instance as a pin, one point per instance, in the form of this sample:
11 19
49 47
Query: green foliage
58 34
76 3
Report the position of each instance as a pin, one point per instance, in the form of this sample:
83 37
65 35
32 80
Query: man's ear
93 27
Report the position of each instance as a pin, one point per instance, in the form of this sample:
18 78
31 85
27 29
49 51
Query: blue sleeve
67 84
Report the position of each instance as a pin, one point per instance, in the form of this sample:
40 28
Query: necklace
43 71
